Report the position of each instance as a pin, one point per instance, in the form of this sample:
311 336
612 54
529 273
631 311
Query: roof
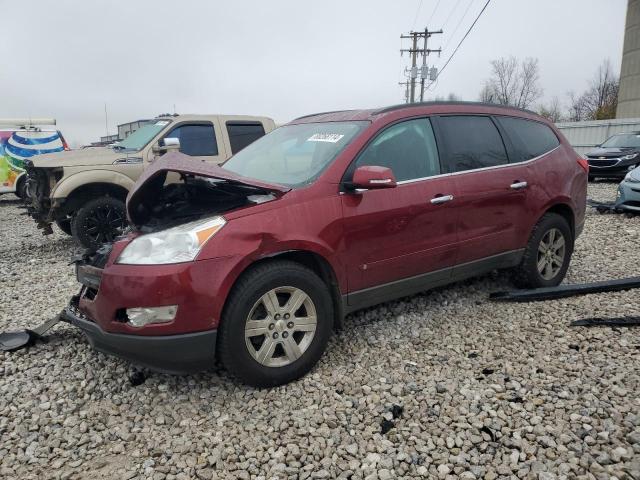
372 113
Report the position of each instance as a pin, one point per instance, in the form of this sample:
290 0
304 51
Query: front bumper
598 168
183 353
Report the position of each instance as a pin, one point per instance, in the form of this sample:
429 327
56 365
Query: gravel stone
553 401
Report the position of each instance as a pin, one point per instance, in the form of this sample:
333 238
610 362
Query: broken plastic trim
563 291
11 341
607 322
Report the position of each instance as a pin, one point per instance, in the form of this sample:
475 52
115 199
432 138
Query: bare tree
513 83
600 100
551 110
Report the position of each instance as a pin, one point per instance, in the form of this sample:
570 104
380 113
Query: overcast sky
280 58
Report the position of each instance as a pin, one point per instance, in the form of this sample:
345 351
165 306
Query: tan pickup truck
83 191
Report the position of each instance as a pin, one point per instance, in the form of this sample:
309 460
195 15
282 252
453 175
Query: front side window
141 137
294 155
407 148
197 140
472 142
530 139
242 134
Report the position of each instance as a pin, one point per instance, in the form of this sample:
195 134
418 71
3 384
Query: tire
21 188
592 178
239 355
65 225
99 221
528 273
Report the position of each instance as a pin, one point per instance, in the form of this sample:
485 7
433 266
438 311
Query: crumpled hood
79 158
151 182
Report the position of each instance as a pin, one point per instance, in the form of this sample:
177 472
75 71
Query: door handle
518 185
441 199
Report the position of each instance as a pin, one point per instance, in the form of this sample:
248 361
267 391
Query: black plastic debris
489 432
386 425
396 411
563 291
607 322
487 371
575 347
473 355
12 341
137 377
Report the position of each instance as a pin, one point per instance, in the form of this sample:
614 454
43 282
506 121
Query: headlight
174 245
631 156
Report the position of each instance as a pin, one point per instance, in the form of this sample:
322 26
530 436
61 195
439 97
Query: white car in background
22 138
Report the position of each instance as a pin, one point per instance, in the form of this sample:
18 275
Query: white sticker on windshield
162 123
325 137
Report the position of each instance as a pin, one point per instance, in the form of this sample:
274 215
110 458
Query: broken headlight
174 245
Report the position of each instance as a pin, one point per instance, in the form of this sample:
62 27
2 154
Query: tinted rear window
471 142
242 134
530 139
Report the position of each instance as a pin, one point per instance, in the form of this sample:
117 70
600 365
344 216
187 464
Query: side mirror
371 177
167 144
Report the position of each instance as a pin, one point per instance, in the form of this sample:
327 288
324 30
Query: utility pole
414 51
406 90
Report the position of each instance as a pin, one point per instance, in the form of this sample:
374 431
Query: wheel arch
565 211
87 191
315 262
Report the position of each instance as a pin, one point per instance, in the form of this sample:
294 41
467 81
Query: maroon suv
257 261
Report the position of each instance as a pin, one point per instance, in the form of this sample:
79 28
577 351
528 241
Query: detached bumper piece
184 353
563 291
11 341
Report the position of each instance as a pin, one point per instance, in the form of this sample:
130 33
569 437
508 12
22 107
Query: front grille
597 163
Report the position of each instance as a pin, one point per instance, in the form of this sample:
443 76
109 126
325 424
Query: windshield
294 155
141 137
623 140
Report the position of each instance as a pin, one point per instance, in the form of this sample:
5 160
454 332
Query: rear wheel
99 221
276 324
547 255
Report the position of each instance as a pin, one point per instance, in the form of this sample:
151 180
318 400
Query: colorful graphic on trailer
16 146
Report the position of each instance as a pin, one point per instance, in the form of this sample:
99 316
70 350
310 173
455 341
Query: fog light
139 316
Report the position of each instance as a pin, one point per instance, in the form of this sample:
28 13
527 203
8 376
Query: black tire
527 275
64 225
232 348
99 221
592 178
21 188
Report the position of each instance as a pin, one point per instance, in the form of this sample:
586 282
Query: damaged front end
40 183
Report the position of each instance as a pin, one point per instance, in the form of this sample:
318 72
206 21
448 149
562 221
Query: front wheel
65 225
547 255
276 324
99 221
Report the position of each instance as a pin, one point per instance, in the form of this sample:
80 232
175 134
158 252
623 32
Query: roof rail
321 113
434 103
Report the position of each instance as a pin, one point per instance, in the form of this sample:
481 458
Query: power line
451 14
434 12
415 19
463 39
455 30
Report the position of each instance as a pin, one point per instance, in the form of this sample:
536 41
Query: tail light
582 161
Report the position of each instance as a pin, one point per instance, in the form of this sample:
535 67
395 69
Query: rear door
398 233
491 201
242 133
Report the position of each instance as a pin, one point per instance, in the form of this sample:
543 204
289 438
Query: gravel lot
486 390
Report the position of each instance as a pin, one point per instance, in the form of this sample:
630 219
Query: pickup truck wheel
21 188
64 225
547 255
276 324
99 221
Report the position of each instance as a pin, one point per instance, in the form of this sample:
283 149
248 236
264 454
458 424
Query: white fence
583 136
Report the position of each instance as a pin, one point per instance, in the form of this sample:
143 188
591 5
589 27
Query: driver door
199 140
394 236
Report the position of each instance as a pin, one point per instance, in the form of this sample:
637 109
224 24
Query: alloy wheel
551 253
105 224
280 326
